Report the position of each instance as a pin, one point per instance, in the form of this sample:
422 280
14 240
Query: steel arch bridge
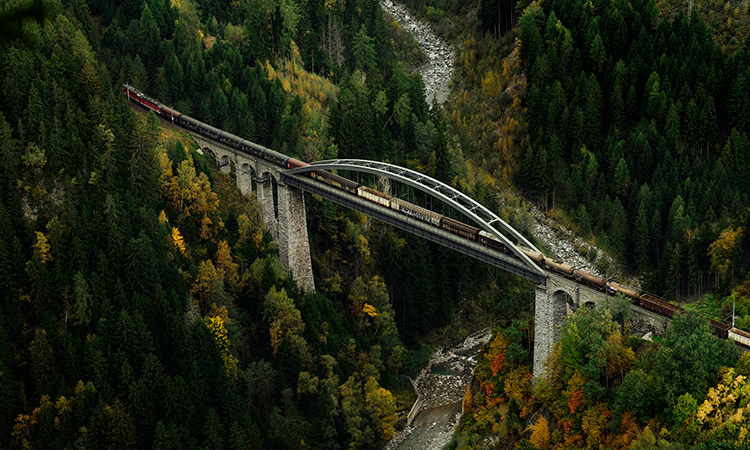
482 216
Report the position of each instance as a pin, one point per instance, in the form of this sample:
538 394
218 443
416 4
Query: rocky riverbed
438 70
442 384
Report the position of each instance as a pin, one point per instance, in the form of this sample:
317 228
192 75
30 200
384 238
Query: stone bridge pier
283 206
550 311
291 226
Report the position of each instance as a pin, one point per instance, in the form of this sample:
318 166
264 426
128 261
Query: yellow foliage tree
724 409
250 228
540 434
207 280
26 424
370 310
723 250
196 196
42 248
595 423
285 320
518 383
177 240
381 405
165 171
468 402
217 326
226 264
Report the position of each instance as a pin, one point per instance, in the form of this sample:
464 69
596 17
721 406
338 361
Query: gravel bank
438 70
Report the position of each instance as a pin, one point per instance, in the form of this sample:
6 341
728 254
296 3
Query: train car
336 181
252 148
189 123
559 266
275 157
615 287
593 280
417 212
374 196
720 328
658 305
171 114
294 163
460 228
491 241
141 98
535 256
740 336
210 131
231 139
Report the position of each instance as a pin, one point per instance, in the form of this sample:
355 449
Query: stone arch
224 163
560 299
246 177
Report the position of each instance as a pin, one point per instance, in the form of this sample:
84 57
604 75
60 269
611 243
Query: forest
143 304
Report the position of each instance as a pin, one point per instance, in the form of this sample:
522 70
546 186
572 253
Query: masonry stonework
550 313
551 310
244 174
289 227
265 197
294 247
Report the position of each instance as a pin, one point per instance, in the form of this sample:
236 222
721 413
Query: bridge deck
419 228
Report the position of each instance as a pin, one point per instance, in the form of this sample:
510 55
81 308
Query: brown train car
593 280
335 181
460 228
615 287
658 305
534 256
720 328
491 241
559 266
374 196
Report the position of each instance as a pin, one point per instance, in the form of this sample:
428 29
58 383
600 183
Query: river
442 386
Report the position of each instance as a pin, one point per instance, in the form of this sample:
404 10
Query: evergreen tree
363 50
149 35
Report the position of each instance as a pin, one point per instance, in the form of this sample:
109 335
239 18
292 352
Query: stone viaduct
551 307
284 216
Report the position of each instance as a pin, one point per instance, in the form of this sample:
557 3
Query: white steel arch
485 218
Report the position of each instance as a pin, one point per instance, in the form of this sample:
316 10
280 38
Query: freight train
422 214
